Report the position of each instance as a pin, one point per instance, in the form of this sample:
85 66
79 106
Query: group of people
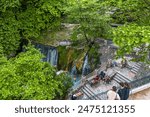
113 94
105 77
121 94
97 78
101 77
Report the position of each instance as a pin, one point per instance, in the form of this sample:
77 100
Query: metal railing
139 82
134 84
103 95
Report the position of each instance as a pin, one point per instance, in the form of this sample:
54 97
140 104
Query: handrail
134 84
87 77
140 82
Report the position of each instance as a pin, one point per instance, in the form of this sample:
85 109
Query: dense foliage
133 39
124 11
134 34
92 22
91 19
27 77
26 19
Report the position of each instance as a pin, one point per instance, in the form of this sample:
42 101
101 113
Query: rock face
142 95
67 57
69 53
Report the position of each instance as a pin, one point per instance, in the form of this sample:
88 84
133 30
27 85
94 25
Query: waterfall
86 66
50 53
54 57
74 70
48 58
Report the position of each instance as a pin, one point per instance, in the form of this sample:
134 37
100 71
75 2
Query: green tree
27 77
91 22
65 86
91 19
26 19
124 11
134 34
133 39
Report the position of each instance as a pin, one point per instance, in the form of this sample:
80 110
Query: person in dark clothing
127 90
102 75
121 91
124 63
124 91
73 97
76 95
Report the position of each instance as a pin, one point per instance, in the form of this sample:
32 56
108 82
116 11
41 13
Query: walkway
130 73
122 75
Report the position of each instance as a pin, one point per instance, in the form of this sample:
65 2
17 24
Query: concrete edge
138 89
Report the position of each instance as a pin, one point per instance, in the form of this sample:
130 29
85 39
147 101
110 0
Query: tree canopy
95 17
26 19
91 18
27 77
135 30
129 11
133 38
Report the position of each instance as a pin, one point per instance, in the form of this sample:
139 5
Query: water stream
50 53
86 66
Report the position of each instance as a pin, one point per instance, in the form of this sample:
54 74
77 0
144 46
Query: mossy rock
69 56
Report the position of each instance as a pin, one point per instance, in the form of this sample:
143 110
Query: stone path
124 74
103 87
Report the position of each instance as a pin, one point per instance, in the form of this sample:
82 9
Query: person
124 63
95 80
127 90
73 97
76 95
121 91
102 75
112 94
107 79
114 64
109 63
124 91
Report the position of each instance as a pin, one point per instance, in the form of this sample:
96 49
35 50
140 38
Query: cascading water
48 56
51 53
86 66
54 57
74 71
